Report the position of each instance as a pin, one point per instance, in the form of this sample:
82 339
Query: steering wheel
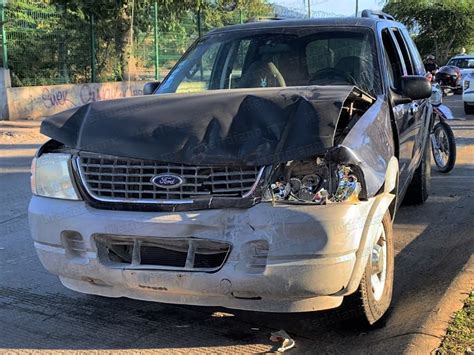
329 75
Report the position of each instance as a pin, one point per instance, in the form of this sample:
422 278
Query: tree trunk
126 65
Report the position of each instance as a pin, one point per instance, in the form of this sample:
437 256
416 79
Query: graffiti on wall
40 101
89 93
55 98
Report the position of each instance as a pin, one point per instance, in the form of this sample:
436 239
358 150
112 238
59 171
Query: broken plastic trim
172 254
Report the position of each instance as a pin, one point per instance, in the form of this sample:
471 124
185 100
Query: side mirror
151 87
415 87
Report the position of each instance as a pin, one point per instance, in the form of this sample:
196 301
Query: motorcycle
443 144
449 78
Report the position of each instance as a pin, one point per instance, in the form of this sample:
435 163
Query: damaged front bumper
281 258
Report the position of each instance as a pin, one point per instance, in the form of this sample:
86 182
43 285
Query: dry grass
459 338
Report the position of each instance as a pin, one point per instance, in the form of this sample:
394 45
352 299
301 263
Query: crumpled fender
368 145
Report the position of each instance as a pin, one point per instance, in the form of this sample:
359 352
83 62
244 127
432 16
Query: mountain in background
283 11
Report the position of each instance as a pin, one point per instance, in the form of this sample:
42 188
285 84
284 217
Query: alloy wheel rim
379 265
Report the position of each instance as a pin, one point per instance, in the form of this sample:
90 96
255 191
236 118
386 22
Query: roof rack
377 14
270 18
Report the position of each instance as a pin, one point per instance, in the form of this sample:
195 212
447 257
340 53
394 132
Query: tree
51 40
118 15
440 27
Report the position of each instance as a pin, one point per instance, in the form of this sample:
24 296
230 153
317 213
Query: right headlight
313 182
50 177
467 83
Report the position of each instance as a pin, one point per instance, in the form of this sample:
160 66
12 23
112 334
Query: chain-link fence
47 42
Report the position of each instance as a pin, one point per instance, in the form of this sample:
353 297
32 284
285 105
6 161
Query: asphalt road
433 243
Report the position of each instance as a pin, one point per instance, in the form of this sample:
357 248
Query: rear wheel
368 305
419 188
468 109
443 146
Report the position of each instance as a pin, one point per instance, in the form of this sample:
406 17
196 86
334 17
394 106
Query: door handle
414 108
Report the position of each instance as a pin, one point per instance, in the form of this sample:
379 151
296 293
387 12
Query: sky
339 7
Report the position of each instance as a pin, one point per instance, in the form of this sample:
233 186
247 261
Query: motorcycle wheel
443 146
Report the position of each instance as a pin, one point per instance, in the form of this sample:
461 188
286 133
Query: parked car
464 62
468 94
264 172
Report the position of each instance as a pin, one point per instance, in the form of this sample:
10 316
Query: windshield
278 58
463 63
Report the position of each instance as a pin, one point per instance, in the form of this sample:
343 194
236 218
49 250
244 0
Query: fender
372 225
444 111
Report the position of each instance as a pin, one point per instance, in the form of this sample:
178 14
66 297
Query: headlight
50 177
313 182
467 83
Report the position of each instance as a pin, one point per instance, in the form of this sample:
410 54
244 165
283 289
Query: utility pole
199 25
4 34
93 49
157 49
357 8
309 8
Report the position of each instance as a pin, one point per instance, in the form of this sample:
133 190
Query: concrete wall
38 101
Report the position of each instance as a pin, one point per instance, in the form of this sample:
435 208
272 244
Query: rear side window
415 55
404 50
393 61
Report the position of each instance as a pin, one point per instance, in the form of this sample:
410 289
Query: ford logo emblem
167 181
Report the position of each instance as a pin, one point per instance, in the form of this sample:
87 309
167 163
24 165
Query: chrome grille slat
151 192
116 179
133 183
228 182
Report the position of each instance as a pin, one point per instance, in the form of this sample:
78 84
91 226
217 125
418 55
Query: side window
415 55
404 50
199 76
392 60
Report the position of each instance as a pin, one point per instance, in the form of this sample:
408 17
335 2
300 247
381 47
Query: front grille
109 178
179 254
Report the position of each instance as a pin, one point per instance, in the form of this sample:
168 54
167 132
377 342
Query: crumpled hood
226 127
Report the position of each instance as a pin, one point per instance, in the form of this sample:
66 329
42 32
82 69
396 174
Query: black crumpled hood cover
233 127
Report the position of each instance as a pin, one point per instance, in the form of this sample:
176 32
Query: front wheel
368 305
443 146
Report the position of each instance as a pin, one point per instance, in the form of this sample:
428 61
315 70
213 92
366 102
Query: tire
442 131
468 109
368 306
419 189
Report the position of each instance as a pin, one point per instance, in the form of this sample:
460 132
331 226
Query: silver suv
263 173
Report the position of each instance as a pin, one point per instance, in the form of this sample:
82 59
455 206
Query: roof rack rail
377 14
270 18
